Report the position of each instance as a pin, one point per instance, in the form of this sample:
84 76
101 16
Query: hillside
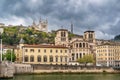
117 38
12 36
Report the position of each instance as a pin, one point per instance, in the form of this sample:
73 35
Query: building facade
107 54
42 54
79 45
78 49
62 37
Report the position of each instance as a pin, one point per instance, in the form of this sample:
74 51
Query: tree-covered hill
12 36
117 38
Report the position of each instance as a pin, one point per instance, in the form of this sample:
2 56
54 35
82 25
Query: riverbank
111 71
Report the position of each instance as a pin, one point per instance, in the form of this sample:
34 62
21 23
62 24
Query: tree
8 55
86 59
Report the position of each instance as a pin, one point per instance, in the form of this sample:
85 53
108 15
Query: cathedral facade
79 45
41 26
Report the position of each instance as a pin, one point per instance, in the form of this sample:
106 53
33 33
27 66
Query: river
68 77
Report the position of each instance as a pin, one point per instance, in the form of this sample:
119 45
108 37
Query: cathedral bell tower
89 36
61 37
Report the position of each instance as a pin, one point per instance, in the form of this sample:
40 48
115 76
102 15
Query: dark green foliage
12 36
117 38
8 56
86 59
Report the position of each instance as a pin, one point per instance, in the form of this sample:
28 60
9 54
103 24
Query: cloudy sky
102 16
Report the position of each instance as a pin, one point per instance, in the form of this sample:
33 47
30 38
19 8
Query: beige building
78 49
42 54
107 54
79 45
62 37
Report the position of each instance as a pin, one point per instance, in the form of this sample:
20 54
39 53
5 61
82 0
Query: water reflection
68 77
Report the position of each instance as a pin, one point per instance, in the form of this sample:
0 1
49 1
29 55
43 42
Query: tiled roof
44 46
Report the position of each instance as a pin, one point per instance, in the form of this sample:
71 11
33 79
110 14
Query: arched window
39 58
80 45
45 58
83 44
51 58
61 58
76 45
77 56
31 58
80 55
64 34
56 58
65 58
87 45
26 58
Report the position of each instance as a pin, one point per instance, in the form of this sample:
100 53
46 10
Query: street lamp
1 47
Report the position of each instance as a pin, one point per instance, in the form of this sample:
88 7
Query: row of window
108 46
45 58
51 51
80 45
109 54
108 50
77 55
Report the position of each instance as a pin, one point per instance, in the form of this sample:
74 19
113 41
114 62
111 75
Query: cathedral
41 26
79 45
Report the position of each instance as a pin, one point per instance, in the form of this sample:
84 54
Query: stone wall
65 67
6 69
23 68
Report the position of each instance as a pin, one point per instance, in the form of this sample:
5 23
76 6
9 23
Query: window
26 58
50 51
83 44
77 56
26 50
80 55
45 58
61 59
65 58
65 51
80 45
44 50
76 45
31 50
39 50
56 58
56 51
73 57
39 58
61 51
51 58
31 58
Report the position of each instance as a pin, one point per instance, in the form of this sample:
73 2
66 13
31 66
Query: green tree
86 59
8 55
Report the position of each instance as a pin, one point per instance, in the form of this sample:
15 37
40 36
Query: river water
68 77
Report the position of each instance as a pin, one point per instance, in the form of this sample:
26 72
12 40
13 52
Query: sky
102 16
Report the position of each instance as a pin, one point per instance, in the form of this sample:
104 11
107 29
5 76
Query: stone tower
89 36
61 37
41 26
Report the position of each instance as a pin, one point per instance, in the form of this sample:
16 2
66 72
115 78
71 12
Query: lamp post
11 55
1 48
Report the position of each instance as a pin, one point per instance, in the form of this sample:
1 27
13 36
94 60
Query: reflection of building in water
41 26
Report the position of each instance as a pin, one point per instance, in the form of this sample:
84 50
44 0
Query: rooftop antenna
40 19
71 27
